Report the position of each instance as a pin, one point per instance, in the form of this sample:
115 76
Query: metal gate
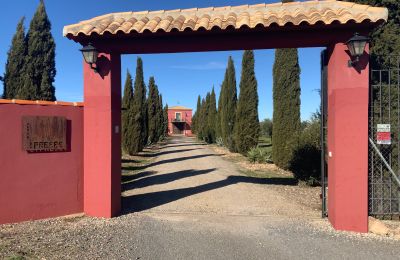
384 140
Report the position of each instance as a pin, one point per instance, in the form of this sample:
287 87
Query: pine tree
40 58
15 66
229 106
152 111
211 118
138 111
127 121
247 127
286 103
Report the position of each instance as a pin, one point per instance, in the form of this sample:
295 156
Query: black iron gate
384 140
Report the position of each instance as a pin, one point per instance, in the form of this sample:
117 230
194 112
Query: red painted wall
186 115
39 185
102 142
347 141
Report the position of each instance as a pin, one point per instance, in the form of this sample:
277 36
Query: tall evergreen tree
138 111
160 116
202 119
15 66
152 111
196 116
286 103
127 118
40 60
211 117
247 127
229 103
166 119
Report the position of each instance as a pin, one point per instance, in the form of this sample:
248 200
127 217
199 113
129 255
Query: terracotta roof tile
179 108
311 12
40 102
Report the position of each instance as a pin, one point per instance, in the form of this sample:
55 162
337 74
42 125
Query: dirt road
188 177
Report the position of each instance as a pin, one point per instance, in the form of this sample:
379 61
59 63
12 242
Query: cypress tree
286 103
221 103
138 111
166 119
15 66
160 116
40 59
247 127
202 119
229 106
196 115
211 117
127 118
152 106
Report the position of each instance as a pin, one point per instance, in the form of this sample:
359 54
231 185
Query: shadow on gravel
169 152
140 202
128 178
163 178
178 159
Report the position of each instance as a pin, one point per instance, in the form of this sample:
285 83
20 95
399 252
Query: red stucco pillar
102 139
347 141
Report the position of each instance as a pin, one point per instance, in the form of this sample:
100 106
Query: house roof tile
179 108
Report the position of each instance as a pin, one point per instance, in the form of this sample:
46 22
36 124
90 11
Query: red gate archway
291 25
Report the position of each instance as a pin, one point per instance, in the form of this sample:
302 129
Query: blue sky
180 77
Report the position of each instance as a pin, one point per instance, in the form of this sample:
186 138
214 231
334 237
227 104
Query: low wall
44 184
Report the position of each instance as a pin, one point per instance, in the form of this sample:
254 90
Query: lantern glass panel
350 46
359 47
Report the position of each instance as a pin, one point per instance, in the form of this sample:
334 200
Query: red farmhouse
179 121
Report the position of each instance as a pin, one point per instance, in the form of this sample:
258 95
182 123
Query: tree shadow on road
140 202
166 161
129 178
163 178
170 152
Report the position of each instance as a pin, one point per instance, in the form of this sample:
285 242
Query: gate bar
384 161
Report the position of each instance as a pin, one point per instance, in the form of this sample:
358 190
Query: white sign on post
383 134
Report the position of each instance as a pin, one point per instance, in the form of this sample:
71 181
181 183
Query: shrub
219 141
252 155
306 160
306 164
259 155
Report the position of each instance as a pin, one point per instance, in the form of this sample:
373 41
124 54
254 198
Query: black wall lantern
90 54
356 46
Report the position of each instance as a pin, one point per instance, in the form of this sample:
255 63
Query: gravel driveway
188 177
192 204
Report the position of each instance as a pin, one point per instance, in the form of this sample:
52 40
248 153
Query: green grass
265 143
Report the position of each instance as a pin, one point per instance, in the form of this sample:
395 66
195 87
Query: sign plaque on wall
44 133
383 134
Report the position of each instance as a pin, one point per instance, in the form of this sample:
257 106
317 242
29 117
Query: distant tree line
144 120
30 68
235 123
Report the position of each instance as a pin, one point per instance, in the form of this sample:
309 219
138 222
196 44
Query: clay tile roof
40 102
179 108
296 13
